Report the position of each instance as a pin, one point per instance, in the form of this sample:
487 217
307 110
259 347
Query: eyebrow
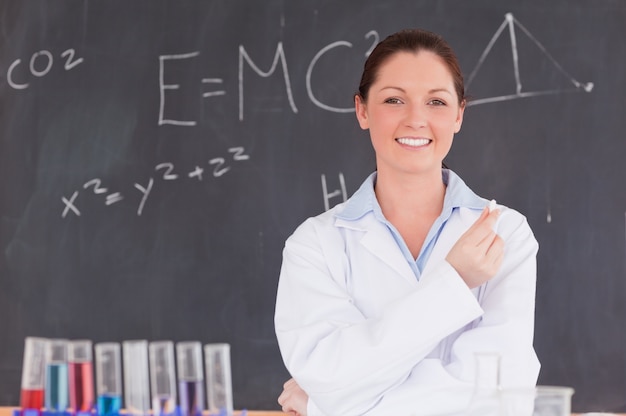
431 91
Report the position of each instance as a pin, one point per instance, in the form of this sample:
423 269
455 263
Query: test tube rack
35 412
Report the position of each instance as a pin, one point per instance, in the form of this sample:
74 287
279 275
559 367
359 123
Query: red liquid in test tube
80 376
33 373
31 399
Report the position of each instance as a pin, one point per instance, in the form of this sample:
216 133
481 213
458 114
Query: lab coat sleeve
429 391
345 362
508 300
506 327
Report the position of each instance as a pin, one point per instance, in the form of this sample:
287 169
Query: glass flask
486 396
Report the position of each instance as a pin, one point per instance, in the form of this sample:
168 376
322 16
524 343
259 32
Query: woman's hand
478 254
293 399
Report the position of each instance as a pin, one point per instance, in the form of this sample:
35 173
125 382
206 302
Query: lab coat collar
363 213
378 240
458 194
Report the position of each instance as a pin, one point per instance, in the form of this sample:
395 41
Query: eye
393 100
436 102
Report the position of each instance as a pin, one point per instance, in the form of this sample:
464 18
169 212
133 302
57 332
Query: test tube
57 396
136 382
33 373
190 379
218 379
80 366
108 378
162 377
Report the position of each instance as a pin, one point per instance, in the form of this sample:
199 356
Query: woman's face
412 112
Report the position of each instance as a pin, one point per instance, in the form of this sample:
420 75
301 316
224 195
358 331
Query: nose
415 116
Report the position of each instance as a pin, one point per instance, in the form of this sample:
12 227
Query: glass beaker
517 401
553 401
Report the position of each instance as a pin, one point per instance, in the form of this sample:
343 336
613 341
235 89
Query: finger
479 234
495 253
497 244
286 408
491 218
487 241
284 396
495 262
289 383
483 228
483 214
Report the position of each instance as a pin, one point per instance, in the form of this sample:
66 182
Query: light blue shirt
458 194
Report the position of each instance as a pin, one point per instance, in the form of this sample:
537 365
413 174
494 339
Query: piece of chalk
492 205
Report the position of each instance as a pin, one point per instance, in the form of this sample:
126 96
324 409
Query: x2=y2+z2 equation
218 165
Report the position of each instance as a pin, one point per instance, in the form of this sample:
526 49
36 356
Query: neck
417 194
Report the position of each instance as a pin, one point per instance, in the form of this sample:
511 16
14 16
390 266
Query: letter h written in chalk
334 194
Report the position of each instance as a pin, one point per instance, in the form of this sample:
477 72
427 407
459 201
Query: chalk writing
511 22
69 205
280 54
245 60
317 56
338 192
40 64
309 89
163 87
167 173
145 191
169 168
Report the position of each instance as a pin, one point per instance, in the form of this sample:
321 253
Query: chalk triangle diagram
527 58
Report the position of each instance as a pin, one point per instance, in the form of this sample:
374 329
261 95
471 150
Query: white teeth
413 142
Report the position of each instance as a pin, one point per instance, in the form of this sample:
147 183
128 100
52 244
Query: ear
459 118
361 112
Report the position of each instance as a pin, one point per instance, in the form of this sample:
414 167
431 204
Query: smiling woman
384 300
412 113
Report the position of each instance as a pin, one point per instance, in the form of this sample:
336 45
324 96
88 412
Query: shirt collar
458 194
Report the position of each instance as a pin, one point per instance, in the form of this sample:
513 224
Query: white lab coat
362 336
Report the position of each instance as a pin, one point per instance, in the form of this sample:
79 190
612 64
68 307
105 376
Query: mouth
413 142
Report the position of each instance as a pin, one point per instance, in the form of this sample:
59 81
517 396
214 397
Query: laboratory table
8 411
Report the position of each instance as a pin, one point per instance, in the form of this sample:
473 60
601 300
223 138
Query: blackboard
155 155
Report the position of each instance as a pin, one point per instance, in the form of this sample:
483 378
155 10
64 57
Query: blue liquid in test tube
109 404
57 393
108 379
57 382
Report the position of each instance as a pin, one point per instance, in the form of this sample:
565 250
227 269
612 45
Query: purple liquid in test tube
190 378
